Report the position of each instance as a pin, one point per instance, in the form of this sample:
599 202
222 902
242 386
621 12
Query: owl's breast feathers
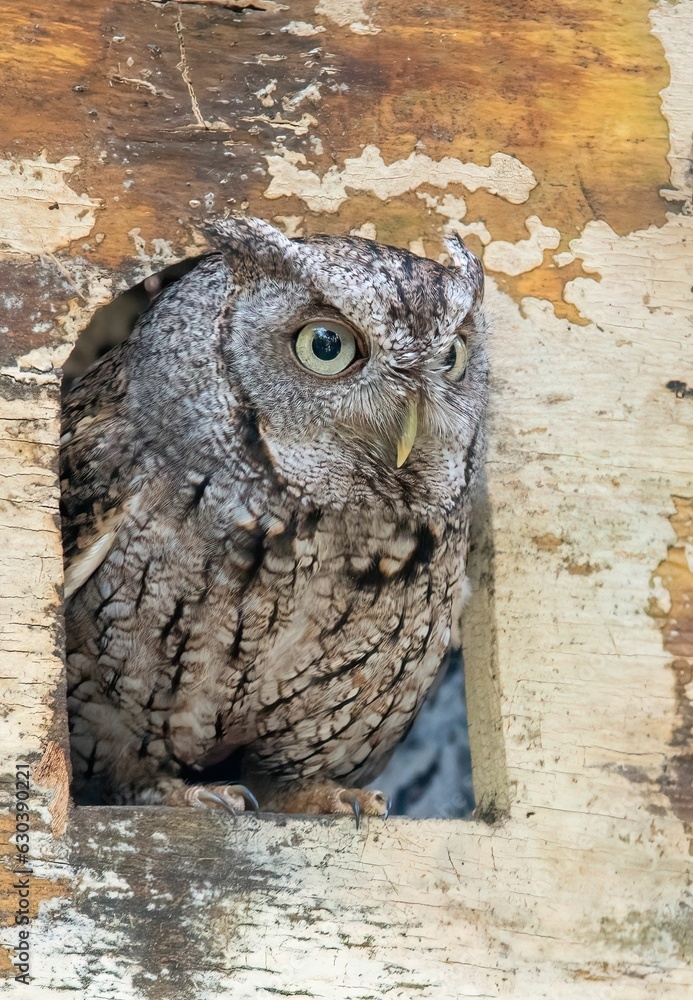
308 637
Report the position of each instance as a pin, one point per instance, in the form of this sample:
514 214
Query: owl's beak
410 425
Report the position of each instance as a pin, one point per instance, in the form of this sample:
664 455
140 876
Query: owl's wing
93 504
106 458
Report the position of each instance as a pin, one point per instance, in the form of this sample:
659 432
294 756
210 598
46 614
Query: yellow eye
325 347
456 360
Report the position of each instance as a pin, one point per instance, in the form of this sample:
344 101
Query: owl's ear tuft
248 238
467 265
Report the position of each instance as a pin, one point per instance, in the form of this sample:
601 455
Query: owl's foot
235 798
328 798
360 800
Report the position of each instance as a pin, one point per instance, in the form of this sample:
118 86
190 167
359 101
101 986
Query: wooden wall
557 138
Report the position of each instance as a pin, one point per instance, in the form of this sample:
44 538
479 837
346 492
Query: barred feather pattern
255 590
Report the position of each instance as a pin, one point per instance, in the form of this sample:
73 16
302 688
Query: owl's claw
328 799
233 798
247 795
204 796
363 802
348 797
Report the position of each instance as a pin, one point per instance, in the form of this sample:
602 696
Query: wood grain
574 882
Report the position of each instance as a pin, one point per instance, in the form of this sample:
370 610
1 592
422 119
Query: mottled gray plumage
255 590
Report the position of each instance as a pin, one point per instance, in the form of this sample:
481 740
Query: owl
266 500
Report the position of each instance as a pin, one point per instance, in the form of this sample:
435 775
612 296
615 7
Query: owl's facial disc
329 348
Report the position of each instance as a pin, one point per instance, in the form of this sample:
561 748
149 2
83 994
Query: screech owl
266 503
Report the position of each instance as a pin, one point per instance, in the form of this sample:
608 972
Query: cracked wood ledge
558 145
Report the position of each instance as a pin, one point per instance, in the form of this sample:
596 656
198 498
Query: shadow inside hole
113 323
430 773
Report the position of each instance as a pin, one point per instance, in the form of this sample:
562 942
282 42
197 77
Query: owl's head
363 364
359 368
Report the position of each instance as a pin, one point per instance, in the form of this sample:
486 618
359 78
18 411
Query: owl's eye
456 360
325 347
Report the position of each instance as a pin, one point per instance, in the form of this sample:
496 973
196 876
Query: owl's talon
246 794
349 798
234 798
327 798
204 796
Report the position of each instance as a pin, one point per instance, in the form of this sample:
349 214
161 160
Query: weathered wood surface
123 126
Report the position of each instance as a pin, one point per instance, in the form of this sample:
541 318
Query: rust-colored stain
571 89
14 865
547 542
580 568
676 623
39 888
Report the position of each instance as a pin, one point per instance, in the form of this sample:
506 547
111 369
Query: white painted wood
575 643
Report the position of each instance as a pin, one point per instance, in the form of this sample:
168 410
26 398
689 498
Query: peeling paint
106 883
310 93
292 225
525 255
505 176
455 210
162 253
40 366
300 127
418 247
348 13
672 23
367 231
265 94
85 961
302 29
40 212
645 279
